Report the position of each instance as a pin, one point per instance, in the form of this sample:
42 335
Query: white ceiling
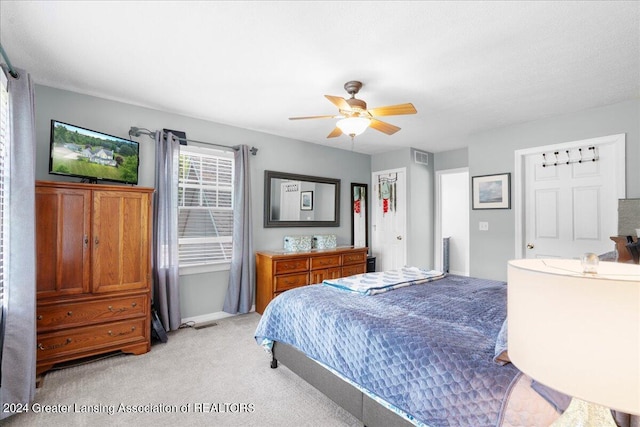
466 66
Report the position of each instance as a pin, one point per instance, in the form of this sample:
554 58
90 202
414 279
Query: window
4 204
205 204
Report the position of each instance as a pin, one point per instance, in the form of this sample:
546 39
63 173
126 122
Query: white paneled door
389 218
571 206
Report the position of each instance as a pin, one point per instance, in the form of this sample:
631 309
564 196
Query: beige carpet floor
215 376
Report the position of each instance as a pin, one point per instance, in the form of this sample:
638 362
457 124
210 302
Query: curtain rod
136 131
12 71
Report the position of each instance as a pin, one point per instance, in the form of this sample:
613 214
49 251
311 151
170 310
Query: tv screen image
84 153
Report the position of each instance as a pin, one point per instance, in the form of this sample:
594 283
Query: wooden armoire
93 274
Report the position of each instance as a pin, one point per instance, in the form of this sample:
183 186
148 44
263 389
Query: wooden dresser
278 271
624 247
93 271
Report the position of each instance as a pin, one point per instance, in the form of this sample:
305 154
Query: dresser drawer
318 276
289 281
90 338
325 261
71 314
290 265
350 270
354 258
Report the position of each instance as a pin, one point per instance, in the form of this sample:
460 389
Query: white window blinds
4 171
205 200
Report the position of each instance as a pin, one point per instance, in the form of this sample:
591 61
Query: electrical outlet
483 226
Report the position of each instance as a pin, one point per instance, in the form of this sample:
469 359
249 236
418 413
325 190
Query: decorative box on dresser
93 275
278 271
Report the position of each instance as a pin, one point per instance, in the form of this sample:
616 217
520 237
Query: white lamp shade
353 126
577 333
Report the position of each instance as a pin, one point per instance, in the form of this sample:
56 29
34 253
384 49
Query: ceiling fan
354 116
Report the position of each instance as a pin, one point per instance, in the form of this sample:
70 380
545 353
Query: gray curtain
166 292
18 368
240 289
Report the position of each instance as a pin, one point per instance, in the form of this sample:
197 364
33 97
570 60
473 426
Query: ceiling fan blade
335 132
384 127
393 110
312 117
341 103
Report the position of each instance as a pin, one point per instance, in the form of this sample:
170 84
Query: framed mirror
359 215
292 200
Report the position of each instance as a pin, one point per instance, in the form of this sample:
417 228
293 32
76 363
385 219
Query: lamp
578 333
353 126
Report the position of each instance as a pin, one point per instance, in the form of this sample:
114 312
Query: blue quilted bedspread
426 349
384 281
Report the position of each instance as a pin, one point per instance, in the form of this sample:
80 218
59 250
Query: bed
421 352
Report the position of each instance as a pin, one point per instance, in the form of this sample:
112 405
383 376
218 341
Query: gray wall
493 152
420 196
488 152
453 159
202 294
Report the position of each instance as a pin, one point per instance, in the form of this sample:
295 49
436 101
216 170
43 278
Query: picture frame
491 191
306 201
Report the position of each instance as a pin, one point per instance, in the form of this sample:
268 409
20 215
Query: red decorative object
356 206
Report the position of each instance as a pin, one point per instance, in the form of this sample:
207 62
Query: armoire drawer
90 338
290 281
65 315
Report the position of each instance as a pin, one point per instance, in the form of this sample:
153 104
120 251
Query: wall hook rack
567 157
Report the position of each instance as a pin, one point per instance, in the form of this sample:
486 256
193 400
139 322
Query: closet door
62 241
121 240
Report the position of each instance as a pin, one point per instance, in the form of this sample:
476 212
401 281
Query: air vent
205 325
421 157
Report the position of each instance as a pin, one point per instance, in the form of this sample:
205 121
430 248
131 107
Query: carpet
214 376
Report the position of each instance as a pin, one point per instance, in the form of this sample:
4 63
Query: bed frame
361 406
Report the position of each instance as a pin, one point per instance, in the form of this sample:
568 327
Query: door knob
529 245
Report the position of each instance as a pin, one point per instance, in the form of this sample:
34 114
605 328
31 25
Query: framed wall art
306 201
491 191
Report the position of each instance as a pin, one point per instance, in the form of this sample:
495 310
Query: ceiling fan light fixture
353 126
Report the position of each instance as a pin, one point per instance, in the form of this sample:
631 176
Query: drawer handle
121 309
111 334
54 346
69 313
40 317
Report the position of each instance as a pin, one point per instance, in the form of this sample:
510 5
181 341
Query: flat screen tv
91 155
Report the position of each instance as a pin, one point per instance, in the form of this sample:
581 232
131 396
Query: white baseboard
458 273
210 317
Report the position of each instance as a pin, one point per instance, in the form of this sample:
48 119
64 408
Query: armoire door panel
47 232
62 227
120 245
133 223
